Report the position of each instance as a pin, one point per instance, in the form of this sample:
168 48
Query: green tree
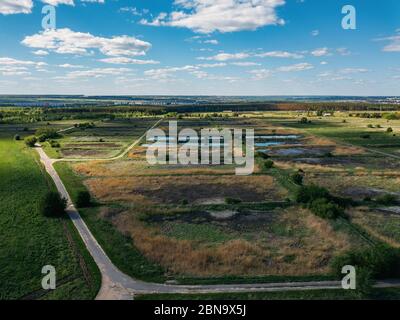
52 205
30 141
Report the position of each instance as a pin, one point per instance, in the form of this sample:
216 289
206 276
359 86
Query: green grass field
29 240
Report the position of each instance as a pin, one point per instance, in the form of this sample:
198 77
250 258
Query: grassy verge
335 294
29 240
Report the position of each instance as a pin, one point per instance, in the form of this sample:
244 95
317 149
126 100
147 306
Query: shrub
268 164
308 194
52 205
389 130
30 141
363 282
42 138
304 120
381 260
54 144
387 200
83 199
297 178
262 155
47 133
232 200
17 137
326 209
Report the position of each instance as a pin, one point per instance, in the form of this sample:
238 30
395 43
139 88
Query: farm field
29 240
203 222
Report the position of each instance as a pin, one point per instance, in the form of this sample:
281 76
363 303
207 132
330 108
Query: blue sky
200 47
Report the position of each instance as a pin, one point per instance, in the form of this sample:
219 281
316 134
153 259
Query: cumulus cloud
207 16
57 2
394 45
15 67
245 64
260 74
15 6
226 56
66 41
320 52
296 67
279 54
93 73
125 60
40 53
164 73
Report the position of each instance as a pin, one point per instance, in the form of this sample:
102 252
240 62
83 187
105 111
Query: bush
387 200
308 194
232 201
304 120
83 199
30 141
370 126
17 137
262 155
381 261
54 144
46 133
365 136
364 282
389 130
53 205
268 164
42 138
297 178
326 209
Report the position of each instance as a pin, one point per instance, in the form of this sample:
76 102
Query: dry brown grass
264 256
173 189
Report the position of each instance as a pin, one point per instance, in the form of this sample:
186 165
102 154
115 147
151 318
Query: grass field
29 240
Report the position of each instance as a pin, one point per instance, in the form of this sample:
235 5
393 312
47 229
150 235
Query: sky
199 47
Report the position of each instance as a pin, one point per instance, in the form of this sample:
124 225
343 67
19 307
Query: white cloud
206 16
164 73
57 2
125 60
343 51
279 54
212 65
296 67
71 66
394 45
15 6
226 56
93 73
14 67
320 52
211 41
353 70
66 41
315 33
40 53
245 64
260 74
